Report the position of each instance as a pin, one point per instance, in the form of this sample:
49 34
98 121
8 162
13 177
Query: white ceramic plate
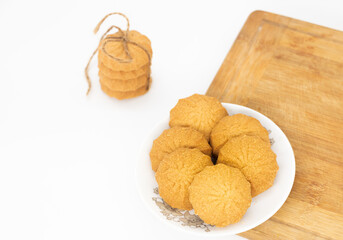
262 207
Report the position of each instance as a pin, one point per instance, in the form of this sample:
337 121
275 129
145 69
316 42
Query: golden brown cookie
174 138
176 172
123 85
123 95
254 158
140 58
233 126
199 112
220 195
121 74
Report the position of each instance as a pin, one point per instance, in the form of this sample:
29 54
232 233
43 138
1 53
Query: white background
66 160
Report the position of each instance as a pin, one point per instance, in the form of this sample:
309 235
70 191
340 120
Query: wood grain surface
292 72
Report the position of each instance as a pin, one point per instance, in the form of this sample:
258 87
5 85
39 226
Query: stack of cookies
124 64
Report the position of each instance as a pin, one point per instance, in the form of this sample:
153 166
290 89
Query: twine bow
124 38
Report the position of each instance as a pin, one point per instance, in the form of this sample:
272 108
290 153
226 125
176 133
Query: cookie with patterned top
254 158
175 174
116 48
174 138
220 195
199 112
233 126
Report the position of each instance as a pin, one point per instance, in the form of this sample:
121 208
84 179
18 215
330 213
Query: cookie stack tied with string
124 61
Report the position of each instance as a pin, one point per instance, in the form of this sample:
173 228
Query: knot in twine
124 38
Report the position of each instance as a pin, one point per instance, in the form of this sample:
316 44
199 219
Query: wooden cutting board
292 72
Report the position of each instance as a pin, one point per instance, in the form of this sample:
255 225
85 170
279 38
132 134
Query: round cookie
199 112
220 195
176 172
124 95
140 58
122 74
124 85
233 126
254 158
174 138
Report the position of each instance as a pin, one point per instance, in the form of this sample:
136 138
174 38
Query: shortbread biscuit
175 174
113 74
233 126
124 95
174 138
124 85
254 158
199 112
116 49
220 195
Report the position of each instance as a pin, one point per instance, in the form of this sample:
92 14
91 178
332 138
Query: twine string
96 29
124 38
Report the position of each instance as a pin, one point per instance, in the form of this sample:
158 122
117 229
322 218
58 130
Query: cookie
175 174
199 112
140 58
123 84
220 195
174 138
122 74
233 126
124 95
254 158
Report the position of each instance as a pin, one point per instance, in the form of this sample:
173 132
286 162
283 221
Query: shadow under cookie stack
124 61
